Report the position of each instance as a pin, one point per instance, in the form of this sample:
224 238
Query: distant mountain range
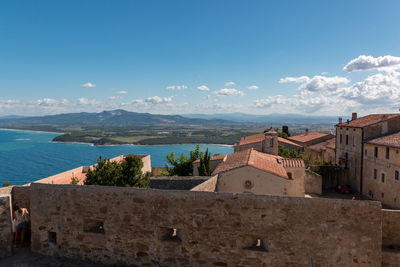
269 119
114 118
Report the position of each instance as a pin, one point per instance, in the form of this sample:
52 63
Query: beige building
351 137
310 138
260 141
254 172
324 151
381 169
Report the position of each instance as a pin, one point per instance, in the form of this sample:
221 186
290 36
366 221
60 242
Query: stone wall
5 226
182 228
21 196
313 183
390 237
209 186
177 182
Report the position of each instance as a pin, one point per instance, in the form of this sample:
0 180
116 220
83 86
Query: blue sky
68 56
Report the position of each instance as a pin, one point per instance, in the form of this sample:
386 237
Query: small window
258 245
289 174
370 193
387 153
170 235
375 173
383 177
347 129
248 184
376 152
93 226
396 175
354 130
341 138
347 139
383 195
52 237
354 141
366 152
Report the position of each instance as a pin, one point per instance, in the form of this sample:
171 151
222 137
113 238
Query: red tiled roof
293 163
368 120
215 157
283 140
307 137
251 157
331 143
392 140
252 139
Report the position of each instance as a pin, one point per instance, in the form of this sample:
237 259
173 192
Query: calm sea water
28 156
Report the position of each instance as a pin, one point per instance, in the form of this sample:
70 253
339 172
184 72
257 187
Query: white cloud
253 87
364 62
47 102
114 97
229 91
88 85
176 87
122 92
230 83
158 100
317 83
85 101
203 88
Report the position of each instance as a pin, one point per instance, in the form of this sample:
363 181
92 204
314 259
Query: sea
27 156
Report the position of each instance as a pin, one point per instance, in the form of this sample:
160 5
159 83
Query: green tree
183 166
128 173
285 131
287 152
204 168
6 183
74 180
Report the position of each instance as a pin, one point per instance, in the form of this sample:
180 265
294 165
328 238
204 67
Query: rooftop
262 161
256 138
306 137
368 120
330 143
215 157
392 140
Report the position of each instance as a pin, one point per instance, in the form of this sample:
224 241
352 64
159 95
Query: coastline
91 144
34 131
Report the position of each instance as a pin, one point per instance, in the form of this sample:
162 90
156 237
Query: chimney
353 116
306 132
340 120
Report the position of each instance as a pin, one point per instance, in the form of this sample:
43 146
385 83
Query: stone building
351 137
324 151
381 179
261 141
310 138
254 172
214 161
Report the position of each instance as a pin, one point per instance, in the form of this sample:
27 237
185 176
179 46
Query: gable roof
292 163
215 157
286 141
391 140
368 120
255 138
253 158
303 138
330 143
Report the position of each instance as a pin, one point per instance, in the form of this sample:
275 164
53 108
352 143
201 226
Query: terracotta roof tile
251 157
368 120
392 140
307 137
293 163
215 157
252 139
331 143
283 140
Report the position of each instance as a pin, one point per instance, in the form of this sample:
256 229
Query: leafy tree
128 173
6 183
74 180
287 152
285 131
183 166
204 168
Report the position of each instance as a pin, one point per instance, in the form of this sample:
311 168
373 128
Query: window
354 141
170 235
396 175
383 195
370 193
376 152
248 184
289 174
258 245
383 177
52 237
347 139
366 152
341 139
375 173
387 153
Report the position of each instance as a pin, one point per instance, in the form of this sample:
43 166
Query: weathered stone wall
21 196
313 183
5 226
136 226
391 237
209 186
177 182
